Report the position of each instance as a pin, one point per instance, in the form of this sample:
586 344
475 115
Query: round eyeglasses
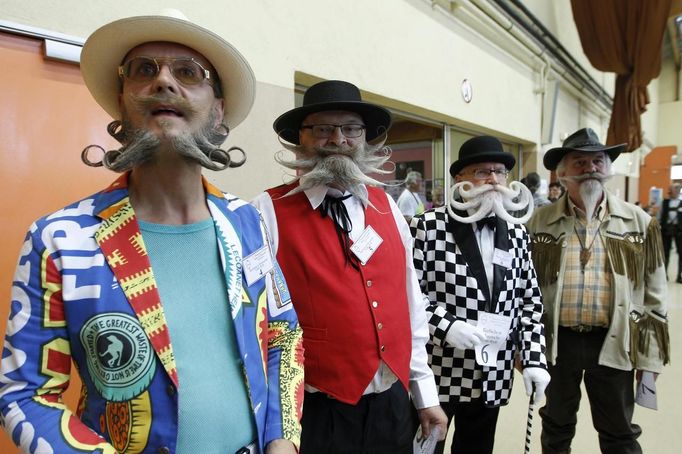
325 131
185 70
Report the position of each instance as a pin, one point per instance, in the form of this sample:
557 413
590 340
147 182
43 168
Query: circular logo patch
120 358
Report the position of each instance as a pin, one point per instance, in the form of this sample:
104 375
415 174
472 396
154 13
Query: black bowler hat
333 95
585 140
482 149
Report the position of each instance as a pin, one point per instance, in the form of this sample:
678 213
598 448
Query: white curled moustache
488 198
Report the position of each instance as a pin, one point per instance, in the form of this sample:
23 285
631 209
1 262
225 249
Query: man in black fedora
600 268
345 250
474 268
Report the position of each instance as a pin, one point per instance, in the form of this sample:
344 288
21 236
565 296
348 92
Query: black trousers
610 393
383 423
474 427
668 235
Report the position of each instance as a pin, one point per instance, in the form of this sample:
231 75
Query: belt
584 328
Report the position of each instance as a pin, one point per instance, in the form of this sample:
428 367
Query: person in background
474 265
671 227
145 285
363 318
600 268
556 190
437 197
409 202
532 180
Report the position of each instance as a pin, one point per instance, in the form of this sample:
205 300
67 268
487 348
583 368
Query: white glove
536 376
462 335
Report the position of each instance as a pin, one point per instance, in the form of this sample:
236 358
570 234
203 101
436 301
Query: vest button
375 304
170 390
163 450
369 283
380 325
383 348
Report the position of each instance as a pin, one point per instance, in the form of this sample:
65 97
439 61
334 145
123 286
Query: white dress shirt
485 238
422 384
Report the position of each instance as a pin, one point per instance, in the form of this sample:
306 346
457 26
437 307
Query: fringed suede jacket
638 333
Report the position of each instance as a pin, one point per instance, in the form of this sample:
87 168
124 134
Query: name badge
496 329
365 246
257 265
502 258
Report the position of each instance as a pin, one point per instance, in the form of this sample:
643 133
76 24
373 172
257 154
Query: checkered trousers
454 294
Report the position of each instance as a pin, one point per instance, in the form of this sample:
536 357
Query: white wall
402 50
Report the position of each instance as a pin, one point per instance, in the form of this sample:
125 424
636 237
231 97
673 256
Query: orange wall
655 171
46 118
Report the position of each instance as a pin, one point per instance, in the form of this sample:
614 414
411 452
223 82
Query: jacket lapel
121 242
466 241
228 232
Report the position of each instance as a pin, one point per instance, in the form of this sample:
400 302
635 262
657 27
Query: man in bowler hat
474 267
600 268
345 250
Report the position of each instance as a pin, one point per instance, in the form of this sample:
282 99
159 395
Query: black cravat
490 221
336 209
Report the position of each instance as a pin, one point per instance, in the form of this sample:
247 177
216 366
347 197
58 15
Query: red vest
351 319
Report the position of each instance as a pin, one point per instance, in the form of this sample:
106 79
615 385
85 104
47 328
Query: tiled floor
661 430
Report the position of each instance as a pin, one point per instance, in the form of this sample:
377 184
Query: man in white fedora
161 288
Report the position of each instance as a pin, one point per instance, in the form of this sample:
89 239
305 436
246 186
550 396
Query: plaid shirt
586 297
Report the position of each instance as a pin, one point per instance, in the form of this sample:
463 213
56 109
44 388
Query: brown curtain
624 37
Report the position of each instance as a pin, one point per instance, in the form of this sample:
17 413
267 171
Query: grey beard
140 146
345 168
591 190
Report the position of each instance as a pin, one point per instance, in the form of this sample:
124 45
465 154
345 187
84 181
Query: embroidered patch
119 356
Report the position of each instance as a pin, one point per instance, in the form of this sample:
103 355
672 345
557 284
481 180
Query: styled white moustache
489 198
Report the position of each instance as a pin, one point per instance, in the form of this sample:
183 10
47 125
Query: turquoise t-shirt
214 409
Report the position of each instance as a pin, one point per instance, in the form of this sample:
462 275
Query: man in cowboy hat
110 282
474 267
358 303
600 268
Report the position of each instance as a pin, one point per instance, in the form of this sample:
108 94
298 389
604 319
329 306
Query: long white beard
591 192
488 199
591 189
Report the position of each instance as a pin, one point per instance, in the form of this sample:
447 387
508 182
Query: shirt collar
316 194
599 213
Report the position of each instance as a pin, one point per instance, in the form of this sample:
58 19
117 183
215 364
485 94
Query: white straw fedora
105 49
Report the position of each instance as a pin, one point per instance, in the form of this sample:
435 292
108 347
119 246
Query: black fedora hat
481 149
333 95
585 140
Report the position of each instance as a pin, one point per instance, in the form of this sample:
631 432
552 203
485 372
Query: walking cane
529 420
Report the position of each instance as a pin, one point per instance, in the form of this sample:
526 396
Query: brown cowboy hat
585 140
333 95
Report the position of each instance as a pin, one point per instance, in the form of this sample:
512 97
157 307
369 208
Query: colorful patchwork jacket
84 276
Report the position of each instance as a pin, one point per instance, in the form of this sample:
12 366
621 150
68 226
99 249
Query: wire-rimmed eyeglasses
185 70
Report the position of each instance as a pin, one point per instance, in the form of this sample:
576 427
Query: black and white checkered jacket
452 276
